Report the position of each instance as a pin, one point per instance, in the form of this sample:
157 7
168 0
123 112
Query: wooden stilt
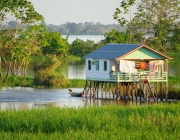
97 90
140 93
128 91
109 90
90 86
117 90
114 91
102 91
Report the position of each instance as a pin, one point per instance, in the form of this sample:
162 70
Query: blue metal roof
112 51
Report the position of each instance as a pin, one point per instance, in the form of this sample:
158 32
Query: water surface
19 98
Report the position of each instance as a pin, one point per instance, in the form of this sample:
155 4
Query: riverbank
159 121
16 81
173 93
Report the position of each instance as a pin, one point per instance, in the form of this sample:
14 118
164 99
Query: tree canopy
55 44
154 21
14 45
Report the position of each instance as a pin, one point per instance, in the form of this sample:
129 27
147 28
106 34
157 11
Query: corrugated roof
112 51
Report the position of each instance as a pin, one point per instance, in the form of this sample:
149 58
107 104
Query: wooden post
136 94
121 90
117 90
157 90
105 90
102 92
97 90
85 87
86 90
140 94
90 89
129 90
124 91
114 90
109 90
133 90
94 89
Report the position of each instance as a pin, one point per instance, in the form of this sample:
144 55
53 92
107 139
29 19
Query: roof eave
167 57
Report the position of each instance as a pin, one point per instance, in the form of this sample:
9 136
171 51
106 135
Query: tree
74 28
155 19
55 44
80 48
23 13
19 10
116 37
121 12
174 39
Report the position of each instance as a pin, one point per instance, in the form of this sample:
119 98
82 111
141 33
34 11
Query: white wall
98 74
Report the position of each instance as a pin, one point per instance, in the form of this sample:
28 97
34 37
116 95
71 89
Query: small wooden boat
76 94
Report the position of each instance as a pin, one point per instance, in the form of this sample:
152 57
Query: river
95 38
19 98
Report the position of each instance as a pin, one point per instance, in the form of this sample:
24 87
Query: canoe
76 94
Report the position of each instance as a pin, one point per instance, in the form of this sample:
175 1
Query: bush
51 79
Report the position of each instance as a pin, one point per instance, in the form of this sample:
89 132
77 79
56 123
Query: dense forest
87 28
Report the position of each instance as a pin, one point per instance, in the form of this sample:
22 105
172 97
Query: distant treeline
87 28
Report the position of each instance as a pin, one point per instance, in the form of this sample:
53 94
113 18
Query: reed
160 121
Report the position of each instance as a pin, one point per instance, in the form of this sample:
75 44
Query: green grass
14 81
153 122
76 83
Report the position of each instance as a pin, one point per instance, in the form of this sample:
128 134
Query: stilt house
127 63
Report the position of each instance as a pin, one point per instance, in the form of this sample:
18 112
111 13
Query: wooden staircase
147 89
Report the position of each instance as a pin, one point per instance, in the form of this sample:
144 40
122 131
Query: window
97 65
105 65
89 64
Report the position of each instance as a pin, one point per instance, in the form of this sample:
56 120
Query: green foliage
55 44
21 10
46 75
73 57
160 121
80 48
175 56
124 9
76 83
14 81
16 45
50 78
157 20
174 87
116 37
156 23
175 39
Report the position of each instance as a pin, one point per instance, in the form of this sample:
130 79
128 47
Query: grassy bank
154 122
16 81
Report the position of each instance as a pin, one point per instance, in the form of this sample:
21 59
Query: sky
78 11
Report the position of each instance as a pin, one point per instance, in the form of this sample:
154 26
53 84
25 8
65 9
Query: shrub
52 79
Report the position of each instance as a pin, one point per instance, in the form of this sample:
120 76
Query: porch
131 77
134 77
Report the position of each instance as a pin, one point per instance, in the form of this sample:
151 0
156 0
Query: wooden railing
156 76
